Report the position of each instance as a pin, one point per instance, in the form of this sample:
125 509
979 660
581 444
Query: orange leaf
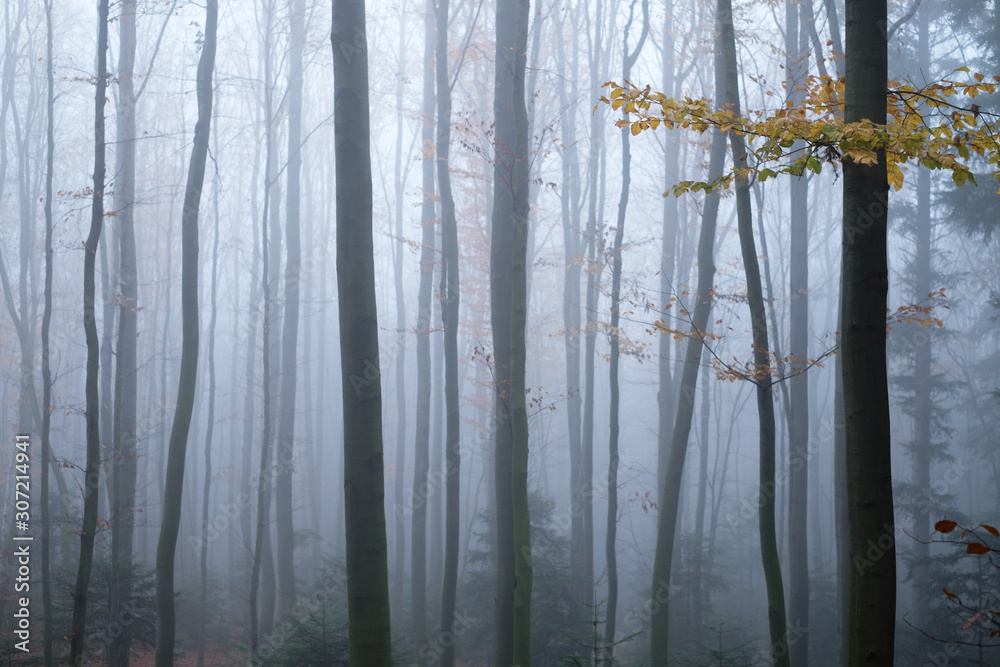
949 593
977 549
945 526
991 530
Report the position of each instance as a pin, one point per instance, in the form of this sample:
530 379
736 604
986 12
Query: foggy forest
500 332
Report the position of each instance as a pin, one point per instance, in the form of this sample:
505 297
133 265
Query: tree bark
210 429
508 248
863 303
93 409
762 357
611 557
367 566
174 483
450 301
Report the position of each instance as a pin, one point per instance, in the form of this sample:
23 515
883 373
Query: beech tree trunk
210 430
450 300
761 355
93 409
174 483
367 552
866 397
616 282
508 283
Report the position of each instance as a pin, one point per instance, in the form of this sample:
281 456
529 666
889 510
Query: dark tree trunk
863 303
174 483
93 410
840 518
697 559
367 566
762 357
512 630
616 282
450 299
207 486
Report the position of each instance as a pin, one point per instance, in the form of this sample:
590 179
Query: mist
497 332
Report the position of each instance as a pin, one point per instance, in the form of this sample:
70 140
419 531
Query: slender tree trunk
46 544
450 300
863 303
260 619
616 282
697 560
249 399
207 487
93 410
421 445
666 529
174 484
290 331
367 566
762 358
262 577
125 431
796 47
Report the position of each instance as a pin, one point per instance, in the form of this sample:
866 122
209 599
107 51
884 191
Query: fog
432 362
